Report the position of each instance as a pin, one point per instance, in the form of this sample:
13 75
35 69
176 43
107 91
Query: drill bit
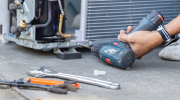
85 46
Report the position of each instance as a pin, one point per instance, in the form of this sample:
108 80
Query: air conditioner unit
100 22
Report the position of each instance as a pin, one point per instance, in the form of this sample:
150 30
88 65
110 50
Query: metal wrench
44 72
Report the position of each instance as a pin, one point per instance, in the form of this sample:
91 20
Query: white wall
4 18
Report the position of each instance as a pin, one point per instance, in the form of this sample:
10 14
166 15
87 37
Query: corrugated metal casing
105 18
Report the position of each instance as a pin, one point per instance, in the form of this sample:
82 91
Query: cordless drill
120 54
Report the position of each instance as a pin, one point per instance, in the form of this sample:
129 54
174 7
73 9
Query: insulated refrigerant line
60 6
49 16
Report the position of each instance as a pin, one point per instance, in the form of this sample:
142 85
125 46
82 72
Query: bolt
22 11
27 33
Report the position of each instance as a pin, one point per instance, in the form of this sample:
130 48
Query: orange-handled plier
50 82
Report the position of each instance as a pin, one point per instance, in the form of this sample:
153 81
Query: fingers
122 32
129 28
123 36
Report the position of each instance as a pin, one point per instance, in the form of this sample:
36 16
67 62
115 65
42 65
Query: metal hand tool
59 89
43 72
51 82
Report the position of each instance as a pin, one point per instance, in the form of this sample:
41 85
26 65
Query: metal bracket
72 50
57 51
70 54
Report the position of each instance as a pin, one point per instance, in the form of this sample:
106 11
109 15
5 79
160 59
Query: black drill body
120 54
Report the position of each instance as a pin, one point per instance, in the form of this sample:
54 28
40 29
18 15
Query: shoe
171 52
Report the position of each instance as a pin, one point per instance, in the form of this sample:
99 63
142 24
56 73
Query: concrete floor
150 78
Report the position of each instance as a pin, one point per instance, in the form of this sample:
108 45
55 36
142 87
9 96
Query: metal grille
105 18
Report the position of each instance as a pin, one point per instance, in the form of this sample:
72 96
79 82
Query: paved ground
148 79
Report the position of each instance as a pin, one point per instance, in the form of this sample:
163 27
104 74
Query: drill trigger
108 61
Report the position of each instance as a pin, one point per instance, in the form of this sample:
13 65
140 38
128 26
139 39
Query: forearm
173 27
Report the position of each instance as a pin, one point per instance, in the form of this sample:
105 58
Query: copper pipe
60 28
61 22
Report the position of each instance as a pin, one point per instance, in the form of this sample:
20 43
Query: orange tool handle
48 82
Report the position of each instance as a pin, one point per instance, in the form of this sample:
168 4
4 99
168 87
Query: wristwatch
165 35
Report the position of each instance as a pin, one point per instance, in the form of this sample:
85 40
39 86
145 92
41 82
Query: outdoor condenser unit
100 22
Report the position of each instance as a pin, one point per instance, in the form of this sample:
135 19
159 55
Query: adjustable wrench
44 72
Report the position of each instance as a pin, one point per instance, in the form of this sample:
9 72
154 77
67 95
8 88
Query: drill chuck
95 50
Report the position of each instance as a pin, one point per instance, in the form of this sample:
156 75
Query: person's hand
141 42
